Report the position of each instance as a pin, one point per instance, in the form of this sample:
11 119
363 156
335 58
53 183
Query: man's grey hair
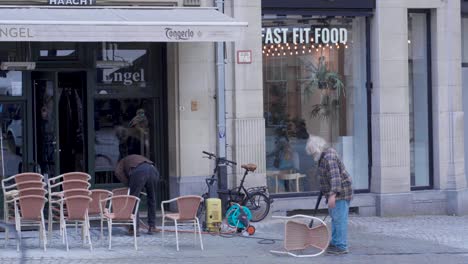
315 146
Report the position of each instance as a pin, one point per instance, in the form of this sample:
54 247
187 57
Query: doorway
59 122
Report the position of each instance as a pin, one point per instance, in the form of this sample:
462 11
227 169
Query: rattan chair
298 236
122 210
96 208
71 181
77 211
187 215
29 211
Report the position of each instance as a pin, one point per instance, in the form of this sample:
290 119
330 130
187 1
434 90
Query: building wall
390 113
192 78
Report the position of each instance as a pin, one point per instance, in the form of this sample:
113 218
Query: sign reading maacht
72 2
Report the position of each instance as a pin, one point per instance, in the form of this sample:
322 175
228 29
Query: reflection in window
123 127
11 83
418 99
54 51
315 88
11 118
120 65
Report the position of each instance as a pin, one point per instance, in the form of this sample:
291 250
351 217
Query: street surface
419 239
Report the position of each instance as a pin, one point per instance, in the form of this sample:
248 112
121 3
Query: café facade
248 80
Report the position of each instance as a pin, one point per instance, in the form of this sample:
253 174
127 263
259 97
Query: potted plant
330 86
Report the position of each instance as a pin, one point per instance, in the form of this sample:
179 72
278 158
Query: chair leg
194 232
199 232
88 227
176 235
135 232
102 227
19 240
109 230
43 233
162 231
50 221
65 234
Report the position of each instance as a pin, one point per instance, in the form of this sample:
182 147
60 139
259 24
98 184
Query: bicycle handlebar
220 160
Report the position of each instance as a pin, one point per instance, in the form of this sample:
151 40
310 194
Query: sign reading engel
304 35
15 32
72 2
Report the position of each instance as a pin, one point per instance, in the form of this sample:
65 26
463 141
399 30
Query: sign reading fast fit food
304 35
72 2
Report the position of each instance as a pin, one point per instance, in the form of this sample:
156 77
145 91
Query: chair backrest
298 236
29 184
76 176
31 206
97 195
32 191
188 206
75 184
123 206
121 191
76 192
77 207
28 176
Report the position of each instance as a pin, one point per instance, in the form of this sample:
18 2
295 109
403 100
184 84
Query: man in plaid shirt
336 186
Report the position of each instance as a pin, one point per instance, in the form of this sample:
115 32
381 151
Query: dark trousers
145 176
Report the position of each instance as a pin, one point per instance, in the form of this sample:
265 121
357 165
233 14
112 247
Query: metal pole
221 105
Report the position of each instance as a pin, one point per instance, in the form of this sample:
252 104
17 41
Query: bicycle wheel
258 204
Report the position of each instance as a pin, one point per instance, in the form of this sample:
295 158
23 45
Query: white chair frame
195 223
111 222
19 223
309 218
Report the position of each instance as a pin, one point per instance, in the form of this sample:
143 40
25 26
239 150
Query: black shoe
336 250
152 230
130 232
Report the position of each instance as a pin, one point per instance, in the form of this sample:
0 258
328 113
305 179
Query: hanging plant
330 86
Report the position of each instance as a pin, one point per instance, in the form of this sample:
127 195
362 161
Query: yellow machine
213 214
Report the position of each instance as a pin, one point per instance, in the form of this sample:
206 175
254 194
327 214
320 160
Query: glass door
45 123
58 121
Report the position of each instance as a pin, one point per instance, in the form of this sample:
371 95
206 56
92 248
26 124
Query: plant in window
330 86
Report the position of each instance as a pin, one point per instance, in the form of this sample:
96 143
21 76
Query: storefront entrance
59 122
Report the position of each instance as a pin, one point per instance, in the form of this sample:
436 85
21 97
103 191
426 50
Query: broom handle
319 199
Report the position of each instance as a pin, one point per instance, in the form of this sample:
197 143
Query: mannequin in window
137 140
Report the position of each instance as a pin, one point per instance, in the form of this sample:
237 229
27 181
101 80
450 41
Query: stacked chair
27 197
71 203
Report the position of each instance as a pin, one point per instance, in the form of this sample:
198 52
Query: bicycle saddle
249 167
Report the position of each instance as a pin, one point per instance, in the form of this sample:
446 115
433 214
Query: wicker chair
186 215
122 210
298 236
96 208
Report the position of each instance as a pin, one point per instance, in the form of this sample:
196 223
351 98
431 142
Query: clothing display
71 131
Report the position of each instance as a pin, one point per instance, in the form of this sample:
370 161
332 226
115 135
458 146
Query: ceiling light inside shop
110 64
17 65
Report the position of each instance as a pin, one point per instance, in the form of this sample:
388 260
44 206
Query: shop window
314 73
122 127
419 99
11 83
58 51
11 138
122 68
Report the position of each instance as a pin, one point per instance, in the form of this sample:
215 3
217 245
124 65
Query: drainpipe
221 105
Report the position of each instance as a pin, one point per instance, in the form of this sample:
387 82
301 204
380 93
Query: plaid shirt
333 176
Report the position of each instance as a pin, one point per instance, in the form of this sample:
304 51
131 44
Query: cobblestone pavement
420 239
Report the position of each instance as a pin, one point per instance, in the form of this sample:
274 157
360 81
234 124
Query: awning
117 24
